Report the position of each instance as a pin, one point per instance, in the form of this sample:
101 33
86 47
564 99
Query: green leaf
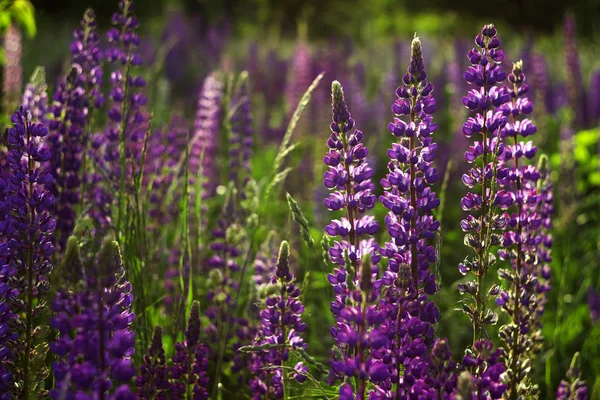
301 220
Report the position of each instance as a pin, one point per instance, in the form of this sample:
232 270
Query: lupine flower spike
281 327
573 388
26 249
94 345
356 331
523 240
484 223
412 227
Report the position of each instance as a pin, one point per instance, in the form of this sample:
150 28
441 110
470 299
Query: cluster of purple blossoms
35 98
123 137
573 388
165 148
153 379
240 144
95 342
186 377
66 140
357 330
190 362
409 279
281 326
74 99
484 363
484 221
26 233
205 142
523 299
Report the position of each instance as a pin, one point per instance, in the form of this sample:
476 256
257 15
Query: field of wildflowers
203 217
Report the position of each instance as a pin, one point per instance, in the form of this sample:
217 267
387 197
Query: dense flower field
296 227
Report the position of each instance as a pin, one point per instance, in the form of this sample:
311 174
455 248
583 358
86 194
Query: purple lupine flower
66 137
35 98
7 317
26 235
574 81
189 370
573 388
153 379
411 226
226 331
442 374
74 99
281 324
13 70
241 141
484 363
85 51
165 150
127 119
205 142
357 330
94 347
301 76
482 202
522 239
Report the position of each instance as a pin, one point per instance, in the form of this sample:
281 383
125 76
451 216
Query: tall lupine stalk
522 240
7 316
356 331
127 120
573 388
69 111
189 370
281 326
411 226
35 98
85 50
484 221
74 100
93 318
26 243
13 70
205 142
241 141
153 379
186 377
